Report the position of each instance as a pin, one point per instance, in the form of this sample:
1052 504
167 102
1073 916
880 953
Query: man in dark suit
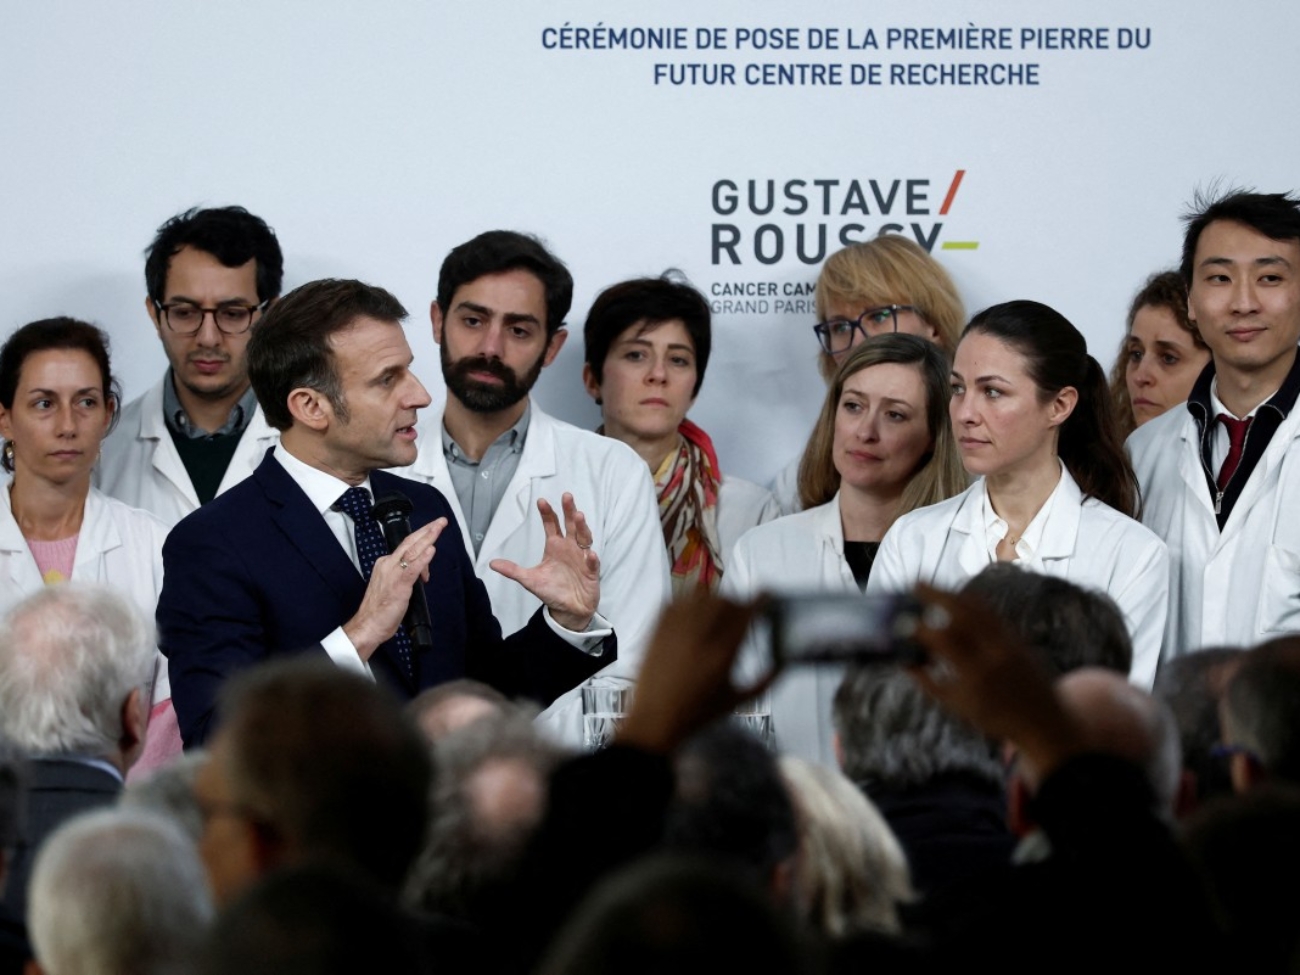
75 665
290 561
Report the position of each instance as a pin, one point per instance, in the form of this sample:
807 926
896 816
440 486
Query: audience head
1161 354
886 284
730 804
118 892
69 358
1260 714
1241 252
491 791
169 792
1192 685
1049 397
1067 625
346 782
851 872
317 919
1116 718
75 667
668 914
293 348
1246 849
890 737
439 711
892 393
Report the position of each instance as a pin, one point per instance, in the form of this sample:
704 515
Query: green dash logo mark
955 245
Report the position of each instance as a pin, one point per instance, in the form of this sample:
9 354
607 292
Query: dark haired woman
647 344
1031 414
57 402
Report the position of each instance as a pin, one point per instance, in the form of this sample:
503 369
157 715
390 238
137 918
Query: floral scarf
687 484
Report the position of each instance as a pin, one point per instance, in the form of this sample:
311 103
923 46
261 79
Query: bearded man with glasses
210 275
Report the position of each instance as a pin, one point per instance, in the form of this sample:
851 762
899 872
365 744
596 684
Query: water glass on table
603 709
755 716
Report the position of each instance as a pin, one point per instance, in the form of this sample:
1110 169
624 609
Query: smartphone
821 627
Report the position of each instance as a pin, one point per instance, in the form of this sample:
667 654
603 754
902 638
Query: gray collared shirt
480 485
179 422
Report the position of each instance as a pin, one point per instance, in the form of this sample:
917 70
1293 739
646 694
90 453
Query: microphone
393 512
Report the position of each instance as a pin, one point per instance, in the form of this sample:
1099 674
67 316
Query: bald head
1116 718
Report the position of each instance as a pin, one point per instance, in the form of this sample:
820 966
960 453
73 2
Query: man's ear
553 346
1246 772
310 408
435 316
135 716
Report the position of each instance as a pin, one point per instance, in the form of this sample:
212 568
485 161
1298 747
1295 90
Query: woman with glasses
58 400
880 286
647 344
882 447
1055 492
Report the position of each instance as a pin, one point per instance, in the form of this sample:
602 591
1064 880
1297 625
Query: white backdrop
376 136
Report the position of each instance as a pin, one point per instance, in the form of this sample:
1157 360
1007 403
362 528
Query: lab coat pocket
1279 601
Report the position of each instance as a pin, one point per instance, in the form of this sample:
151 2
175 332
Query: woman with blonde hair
851 872
882 447
885 285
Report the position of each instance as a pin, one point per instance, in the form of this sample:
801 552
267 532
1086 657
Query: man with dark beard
499 320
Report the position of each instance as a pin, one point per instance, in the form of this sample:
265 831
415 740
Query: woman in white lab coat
879 286
1032 418
882 446
647 343
57 402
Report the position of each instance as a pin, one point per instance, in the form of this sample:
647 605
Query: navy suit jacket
256 572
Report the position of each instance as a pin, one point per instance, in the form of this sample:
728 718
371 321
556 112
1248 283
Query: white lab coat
1086 542
612 486
799 553
741 505
119 547
1240 586
785 486
139 465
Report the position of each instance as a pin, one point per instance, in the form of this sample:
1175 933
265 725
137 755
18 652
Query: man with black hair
498 320
292 560
210 274
1219 479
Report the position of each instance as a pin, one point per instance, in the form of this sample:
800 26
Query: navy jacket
256 572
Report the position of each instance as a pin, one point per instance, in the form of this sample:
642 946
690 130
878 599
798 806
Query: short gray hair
893 737
69 657
472 848
118 892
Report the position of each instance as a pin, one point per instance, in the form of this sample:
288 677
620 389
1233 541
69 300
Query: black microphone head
393 506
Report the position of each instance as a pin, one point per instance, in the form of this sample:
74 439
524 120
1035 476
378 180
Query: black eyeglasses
837 335
186 318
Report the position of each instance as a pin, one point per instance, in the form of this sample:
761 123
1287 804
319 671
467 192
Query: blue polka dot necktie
355 503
